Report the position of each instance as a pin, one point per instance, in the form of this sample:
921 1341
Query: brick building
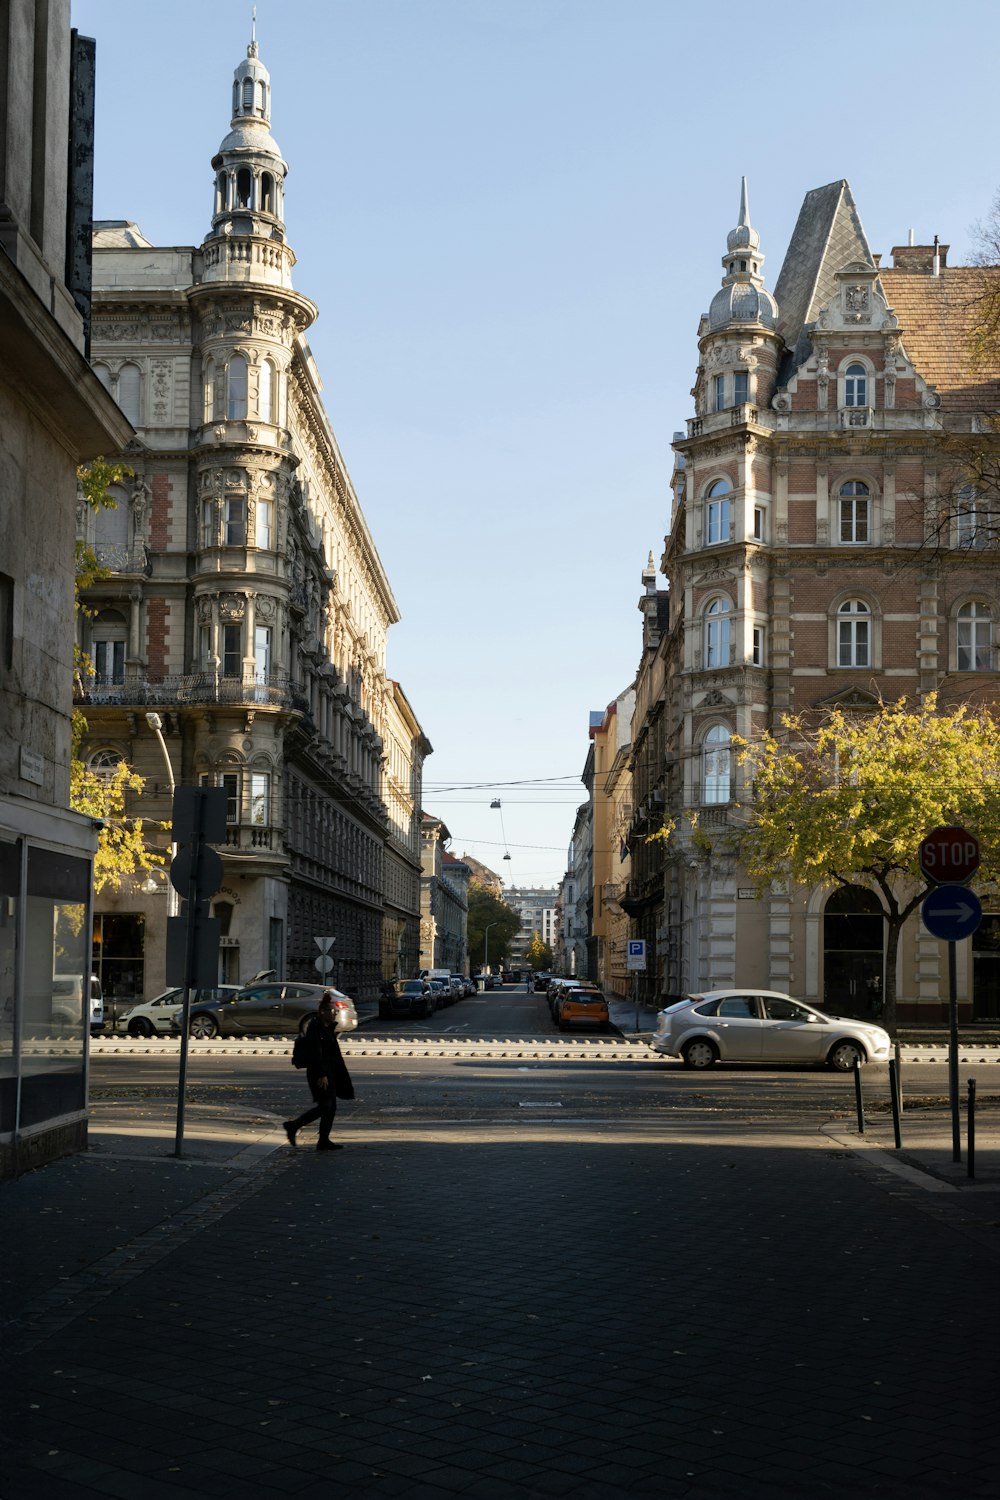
806 567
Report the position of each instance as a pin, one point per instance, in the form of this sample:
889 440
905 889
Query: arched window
267 193
854 507
236 401
975 638
854 641
263 99
248 96
104 376
716 634
244 187
129 381
717 510
265 396
716 765
855 385
105 763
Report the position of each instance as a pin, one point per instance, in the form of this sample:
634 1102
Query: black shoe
329 1146
291 1130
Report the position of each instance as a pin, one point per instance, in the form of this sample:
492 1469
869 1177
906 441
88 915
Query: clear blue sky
511 214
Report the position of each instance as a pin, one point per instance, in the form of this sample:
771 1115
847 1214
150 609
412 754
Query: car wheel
203 1027
701 1053
843 1055
140 1027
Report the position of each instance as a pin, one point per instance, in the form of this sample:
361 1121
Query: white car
764 1026
156 1017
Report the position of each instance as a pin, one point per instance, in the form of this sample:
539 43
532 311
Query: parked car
407 997
469 984
442 992
764 1026
541 982
267 1010
156 1017
583 1007
558 988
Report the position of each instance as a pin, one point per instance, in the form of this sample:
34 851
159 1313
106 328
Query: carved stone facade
807 564
246 603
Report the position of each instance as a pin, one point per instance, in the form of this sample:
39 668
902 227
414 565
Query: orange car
582 1007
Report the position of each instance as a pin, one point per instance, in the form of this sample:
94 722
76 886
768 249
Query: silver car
764 1026
279 1009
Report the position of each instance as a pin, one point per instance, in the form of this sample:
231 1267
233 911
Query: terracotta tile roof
935 315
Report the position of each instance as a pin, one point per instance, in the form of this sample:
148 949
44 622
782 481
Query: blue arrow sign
951 913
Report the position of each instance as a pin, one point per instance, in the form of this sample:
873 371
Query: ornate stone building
245 602
807 567
444 901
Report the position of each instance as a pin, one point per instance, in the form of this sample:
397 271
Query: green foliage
848 802
504 922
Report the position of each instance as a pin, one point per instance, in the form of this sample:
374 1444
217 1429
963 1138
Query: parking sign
636 954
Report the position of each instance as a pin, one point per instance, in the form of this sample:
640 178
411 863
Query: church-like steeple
743 298
249 168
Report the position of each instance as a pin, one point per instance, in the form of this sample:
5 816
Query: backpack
300 1052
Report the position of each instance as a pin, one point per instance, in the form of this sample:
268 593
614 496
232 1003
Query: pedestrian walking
326 1073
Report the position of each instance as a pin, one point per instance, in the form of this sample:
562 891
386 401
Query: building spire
743 298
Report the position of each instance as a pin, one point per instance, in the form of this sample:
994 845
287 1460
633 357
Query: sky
511 215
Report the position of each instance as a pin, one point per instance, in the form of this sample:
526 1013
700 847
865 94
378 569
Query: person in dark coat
326 1073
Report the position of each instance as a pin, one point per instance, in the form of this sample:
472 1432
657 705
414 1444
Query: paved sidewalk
499 1313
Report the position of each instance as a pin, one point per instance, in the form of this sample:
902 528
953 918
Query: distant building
486 877
444 902
612 814
54 416
536 906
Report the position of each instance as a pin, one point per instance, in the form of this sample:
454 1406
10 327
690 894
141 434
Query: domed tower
738 339
247 321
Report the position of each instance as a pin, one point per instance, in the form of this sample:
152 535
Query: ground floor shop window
853 962
120 954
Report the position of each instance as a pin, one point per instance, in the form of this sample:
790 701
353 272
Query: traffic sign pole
951 913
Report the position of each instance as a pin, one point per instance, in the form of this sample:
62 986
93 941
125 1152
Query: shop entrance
853 954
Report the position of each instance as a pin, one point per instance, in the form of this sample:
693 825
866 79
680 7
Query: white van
67 999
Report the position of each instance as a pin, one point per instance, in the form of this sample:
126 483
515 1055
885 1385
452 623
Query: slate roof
827 235
935 315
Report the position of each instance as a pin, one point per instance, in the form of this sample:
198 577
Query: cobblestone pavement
498 1313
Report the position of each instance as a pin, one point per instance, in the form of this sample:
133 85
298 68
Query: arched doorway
853 961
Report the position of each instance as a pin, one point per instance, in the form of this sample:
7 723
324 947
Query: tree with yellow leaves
848 800
101 795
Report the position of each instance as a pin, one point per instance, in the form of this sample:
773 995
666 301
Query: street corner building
836 420
244 602
54 416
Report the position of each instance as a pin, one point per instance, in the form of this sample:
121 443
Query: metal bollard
899 1076
894 1101
857 1096
971 1166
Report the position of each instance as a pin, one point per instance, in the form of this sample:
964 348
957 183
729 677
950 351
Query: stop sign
949 855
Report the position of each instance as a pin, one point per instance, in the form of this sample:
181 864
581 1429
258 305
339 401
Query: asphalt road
625 1081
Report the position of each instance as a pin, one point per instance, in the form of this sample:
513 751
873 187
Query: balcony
137 691
118 558
251 836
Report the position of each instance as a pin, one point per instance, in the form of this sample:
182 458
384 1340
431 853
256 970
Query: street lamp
156 725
